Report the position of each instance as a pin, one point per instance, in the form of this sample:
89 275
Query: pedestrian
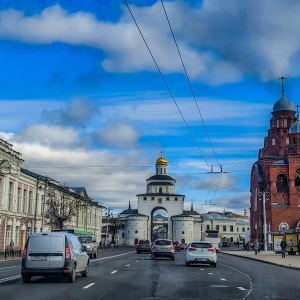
298 246
256 246
291 245
11 247
248 246
100 245
283 246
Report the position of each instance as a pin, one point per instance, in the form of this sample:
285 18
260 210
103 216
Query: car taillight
211 249
192 249
172 247
68 253
24 253
153 247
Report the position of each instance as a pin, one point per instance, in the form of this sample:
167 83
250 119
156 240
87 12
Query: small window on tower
273 142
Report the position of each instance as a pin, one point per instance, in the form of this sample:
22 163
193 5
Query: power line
165 82
188 79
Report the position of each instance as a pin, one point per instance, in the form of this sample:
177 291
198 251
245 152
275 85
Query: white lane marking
113 272
223 279
9 267
241 288
210 274
250 280
201 269
89 285
137 261
127 265
96 259
10 278
219 286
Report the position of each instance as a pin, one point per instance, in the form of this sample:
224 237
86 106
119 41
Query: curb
261 260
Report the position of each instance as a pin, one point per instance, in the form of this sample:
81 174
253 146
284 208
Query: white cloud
118 133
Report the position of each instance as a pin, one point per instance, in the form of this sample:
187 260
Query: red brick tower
275 177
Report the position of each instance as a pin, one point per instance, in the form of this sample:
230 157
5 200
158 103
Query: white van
54 254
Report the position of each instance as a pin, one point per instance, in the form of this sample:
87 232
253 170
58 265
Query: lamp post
265 197
38 188
107 221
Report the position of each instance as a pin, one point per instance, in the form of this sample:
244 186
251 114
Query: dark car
176 245
143 246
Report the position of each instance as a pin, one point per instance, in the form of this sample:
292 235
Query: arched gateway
160 211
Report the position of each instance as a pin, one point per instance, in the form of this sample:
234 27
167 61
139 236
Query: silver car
54 254
162 248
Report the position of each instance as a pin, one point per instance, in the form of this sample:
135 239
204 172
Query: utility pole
107 221
265 197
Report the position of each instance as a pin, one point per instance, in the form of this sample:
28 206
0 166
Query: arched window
273 142
160 190
297 177
285 122
287 141
283 227
281 184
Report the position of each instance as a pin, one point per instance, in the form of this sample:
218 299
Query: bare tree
61 205
115 224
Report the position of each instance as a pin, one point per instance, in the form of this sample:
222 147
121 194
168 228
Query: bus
213 237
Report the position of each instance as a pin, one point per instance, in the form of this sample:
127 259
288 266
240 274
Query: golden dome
161 161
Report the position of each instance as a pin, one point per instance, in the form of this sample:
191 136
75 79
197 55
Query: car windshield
84 239
162 242
201 245
144 242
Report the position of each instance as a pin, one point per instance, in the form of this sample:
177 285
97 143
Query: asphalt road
123 274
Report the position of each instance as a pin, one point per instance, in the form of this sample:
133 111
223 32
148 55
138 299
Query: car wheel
173 257
138 252
72 276
152 256
214 265
84 273
26 279
95 254
187 264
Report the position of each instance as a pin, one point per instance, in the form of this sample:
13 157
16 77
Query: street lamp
265 197
107 221
38 188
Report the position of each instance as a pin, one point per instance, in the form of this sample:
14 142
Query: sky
93 92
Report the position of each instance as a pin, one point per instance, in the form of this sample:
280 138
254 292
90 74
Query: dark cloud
77 113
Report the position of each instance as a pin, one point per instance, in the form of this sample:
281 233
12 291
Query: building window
145 198
237 229
159 201
283 227
287 141
168 199
207 227
281 184
217 227
17 236
136 231
10 196
18 199
176 198
182 232
160 190
224 227
30 203
152 198
297 177
243 229
24 201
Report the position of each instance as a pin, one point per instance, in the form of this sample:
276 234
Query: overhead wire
165 82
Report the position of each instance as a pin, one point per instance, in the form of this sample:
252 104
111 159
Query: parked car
143 246
183 246
201 252
89 241
163 248
54 254
176 245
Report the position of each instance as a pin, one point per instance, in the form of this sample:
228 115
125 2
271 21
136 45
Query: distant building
275 177
161 214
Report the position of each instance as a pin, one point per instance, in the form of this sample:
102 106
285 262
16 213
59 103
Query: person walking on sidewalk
256 246
291 245
283 246
298 246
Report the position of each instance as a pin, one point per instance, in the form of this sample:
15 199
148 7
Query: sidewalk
290 261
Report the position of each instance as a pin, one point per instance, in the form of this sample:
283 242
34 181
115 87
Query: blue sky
84 102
